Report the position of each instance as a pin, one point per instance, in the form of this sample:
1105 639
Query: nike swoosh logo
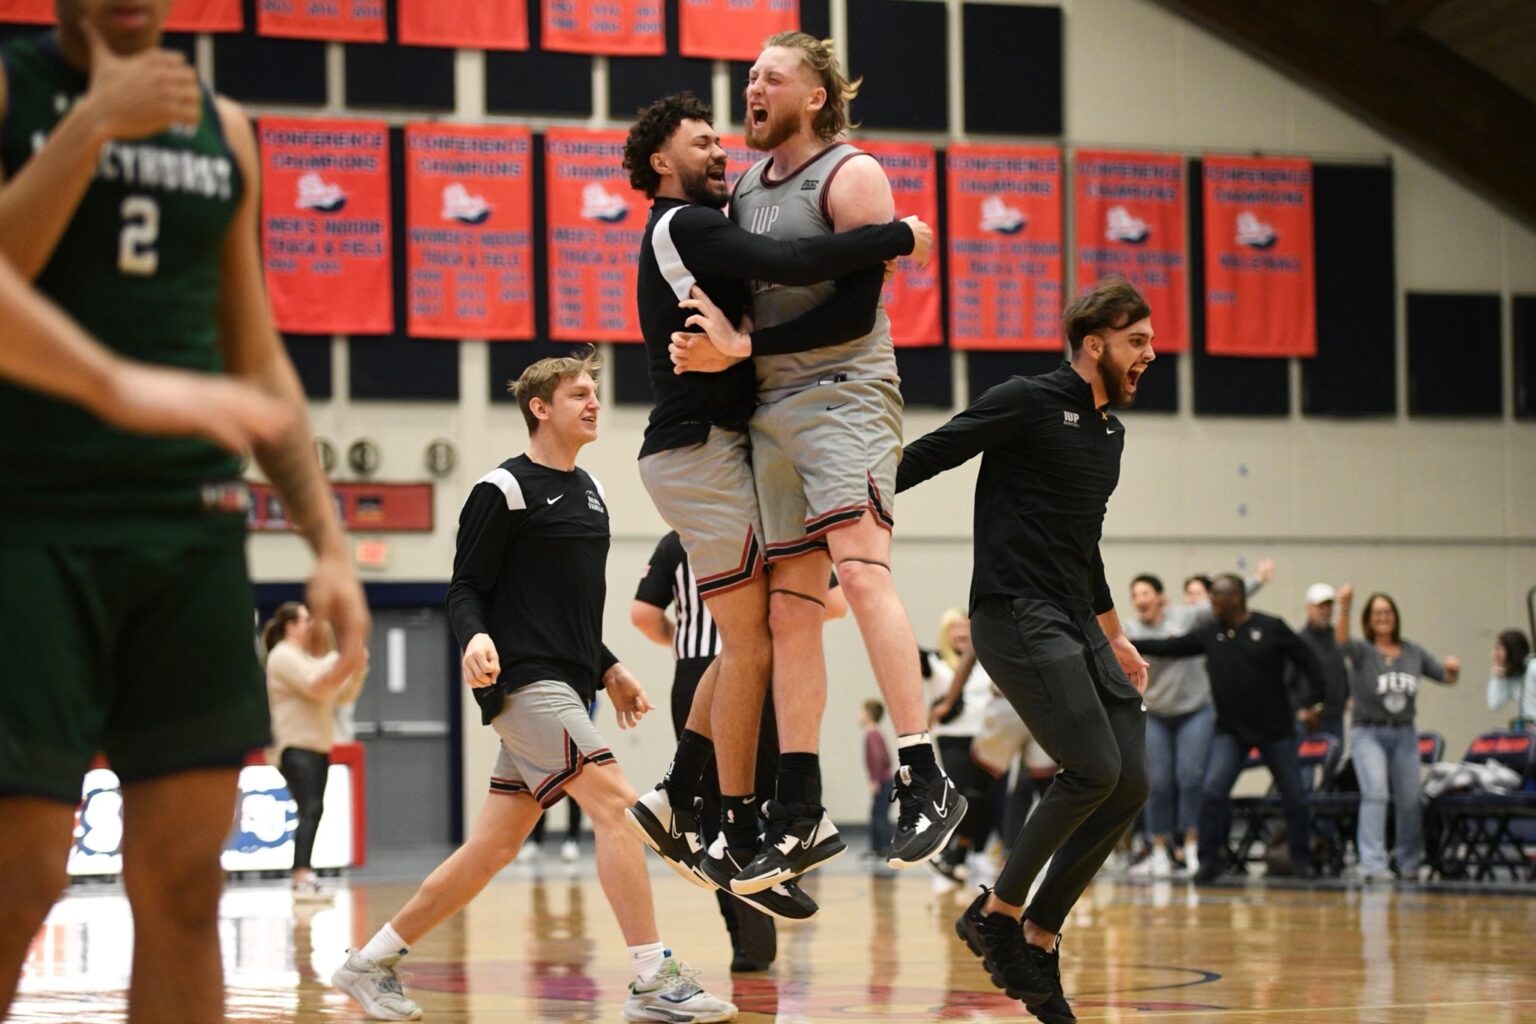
553 500
942 805
833 408
1108 431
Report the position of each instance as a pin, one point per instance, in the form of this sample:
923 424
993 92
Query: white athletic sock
912 739
387 942
647 960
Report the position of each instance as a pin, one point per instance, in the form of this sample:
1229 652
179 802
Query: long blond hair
820 56
946 647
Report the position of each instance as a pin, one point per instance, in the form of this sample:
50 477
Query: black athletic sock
800 781
738 820
682 779
918 756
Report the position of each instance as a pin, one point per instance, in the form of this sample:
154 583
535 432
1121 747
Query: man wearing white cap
1318 635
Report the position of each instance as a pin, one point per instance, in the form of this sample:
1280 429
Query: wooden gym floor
541 946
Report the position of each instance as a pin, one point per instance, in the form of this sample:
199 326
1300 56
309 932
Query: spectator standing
303 690
1318 634
1513 677
1384 674
879 768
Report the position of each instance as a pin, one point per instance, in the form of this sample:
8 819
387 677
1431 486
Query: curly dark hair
651 131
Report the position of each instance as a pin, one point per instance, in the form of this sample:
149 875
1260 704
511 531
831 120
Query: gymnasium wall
1402 459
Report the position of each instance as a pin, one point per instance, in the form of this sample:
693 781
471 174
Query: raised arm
129 98
1345 596
992 418
253 353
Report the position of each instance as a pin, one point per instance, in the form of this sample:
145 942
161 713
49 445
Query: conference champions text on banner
469 231
1004 242
325 225
1130 223
1260 290
616 28
595 222
912 300
732 29
345 21
467 24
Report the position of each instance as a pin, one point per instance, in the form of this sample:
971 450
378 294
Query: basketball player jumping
826 438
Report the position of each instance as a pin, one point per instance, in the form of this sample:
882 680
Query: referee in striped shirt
695 642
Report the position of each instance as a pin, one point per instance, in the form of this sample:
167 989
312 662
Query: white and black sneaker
673 832
791 846
929 814
374 984
673 997
787 901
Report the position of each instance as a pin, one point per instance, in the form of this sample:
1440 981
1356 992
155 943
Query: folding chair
1482 833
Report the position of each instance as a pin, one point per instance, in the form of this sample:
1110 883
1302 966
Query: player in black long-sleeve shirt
526 603
1044 625
1246 653
695 459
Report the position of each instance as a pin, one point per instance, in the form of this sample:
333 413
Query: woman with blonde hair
958 717
303 690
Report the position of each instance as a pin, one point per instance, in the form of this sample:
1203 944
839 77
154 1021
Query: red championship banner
345 21
1004 242
471 24
1130 223
469 231
325 225
912 295
205 16
618 28
1260 296
27 12
595 223
732 29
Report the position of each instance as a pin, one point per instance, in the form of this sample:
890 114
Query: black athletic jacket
1049 462
701 245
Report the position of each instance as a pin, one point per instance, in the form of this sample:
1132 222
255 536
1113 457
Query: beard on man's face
1120 397
774 132
696 186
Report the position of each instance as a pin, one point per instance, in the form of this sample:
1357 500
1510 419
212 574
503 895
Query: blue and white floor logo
266 820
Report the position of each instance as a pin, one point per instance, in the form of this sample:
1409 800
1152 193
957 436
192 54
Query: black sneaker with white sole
929 814
792 845
1054 1009
999 940
673 832
786 901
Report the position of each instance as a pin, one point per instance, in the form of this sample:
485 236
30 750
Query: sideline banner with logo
1130 222
912 294
469 231
325 225
1004 242
732 29
595 223
345 21
617 28
1260 291
471 24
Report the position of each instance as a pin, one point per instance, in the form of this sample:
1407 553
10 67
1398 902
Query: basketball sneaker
930 813
792 845
1053 1009
673 832
999 940
374 984
673 997
787 901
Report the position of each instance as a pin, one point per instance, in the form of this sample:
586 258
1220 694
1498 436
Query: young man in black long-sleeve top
526 604
1246 654
1044 625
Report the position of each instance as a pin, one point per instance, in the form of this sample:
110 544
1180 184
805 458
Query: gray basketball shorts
546 740
705 492
823 457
